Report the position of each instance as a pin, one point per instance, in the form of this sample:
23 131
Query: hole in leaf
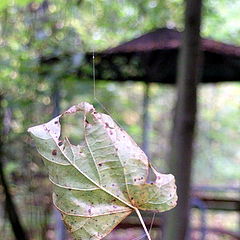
72 127
151 176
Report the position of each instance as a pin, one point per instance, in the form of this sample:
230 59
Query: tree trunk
10 207
182 138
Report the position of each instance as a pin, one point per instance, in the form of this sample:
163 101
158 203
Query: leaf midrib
99 186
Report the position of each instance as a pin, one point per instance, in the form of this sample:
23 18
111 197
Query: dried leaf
101 181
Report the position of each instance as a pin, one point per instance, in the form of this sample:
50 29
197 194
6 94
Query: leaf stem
143 224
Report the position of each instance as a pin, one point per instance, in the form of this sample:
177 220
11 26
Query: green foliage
6 3
217 139
224 16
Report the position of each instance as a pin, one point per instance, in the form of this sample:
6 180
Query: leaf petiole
143 224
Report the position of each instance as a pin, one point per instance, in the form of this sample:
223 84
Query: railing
204 198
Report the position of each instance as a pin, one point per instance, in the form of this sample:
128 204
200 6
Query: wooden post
146 120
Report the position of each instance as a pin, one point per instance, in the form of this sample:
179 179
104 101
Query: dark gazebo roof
164 38
152 57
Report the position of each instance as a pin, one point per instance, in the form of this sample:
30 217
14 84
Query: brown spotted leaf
101 181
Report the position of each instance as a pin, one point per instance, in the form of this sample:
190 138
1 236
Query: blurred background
46 66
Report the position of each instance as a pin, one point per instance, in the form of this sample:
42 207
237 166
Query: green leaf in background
3 4
104 179
25 2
